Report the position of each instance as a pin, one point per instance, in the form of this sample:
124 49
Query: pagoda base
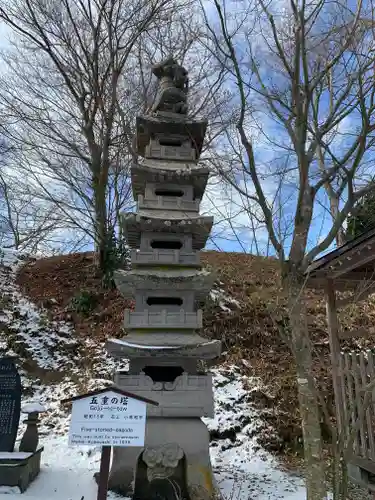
175 459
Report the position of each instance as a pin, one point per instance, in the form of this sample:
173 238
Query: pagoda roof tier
164 345
149 126
168 214
199 281
161 171
134 224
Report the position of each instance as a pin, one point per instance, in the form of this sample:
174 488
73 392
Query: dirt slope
244 312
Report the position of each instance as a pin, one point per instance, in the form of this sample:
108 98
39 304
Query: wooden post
104 473
334 344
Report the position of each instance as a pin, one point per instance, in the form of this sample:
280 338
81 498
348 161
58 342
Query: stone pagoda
168 358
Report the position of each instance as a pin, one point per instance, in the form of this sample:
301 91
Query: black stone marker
10 403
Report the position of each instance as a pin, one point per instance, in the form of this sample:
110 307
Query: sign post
105 460
108 417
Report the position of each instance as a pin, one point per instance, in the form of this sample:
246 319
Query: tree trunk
309 408
101 232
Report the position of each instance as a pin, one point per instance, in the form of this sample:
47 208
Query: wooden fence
357 375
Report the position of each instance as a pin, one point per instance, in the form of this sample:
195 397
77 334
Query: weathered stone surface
184 208
186 396
161 473
160 172
170 359
164 345
171 127
170 214
10 403
135 224
178 150
175 366
165 257
173 87
30 439
20 471
178 240
164 320
188 434
177 280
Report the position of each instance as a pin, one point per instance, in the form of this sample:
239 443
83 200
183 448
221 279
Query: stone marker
10 403
17 468
168 357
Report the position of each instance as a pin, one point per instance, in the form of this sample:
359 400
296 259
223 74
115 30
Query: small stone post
30 439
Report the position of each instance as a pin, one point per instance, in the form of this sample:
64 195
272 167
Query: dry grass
250 336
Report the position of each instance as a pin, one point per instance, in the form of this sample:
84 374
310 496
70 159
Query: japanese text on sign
108 419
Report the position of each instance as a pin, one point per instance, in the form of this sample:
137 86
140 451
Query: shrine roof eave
347 265
151 125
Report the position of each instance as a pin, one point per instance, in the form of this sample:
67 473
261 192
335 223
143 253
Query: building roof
347 265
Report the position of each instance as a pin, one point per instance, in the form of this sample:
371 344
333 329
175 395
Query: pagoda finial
173 88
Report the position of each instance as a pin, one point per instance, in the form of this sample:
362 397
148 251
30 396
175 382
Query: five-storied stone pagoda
168 359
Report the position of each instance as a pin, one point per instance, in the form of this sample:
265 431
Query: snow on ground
54 364
220 297
66 474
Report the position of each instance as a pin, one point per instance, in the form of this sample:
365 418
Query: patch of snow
258 478
225 301
55 364
142 346
66 474
243 470
9 490
242 473
33 406
14 455
12 258
27 332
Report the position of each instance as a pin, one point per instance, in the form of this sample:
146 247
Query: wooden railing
357 375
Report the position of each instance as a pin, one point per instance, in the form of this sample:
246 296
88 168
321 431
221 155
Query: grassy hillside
243 311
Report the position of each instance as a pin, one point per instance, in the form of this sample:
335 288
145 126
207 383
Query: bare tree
77 74
302 90
25 223
61 90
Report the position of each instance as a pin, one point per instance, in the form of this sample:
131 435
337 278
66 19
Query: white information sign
108 419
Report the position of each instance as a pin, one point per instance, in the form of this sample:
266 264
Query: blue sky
218 202
266 153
